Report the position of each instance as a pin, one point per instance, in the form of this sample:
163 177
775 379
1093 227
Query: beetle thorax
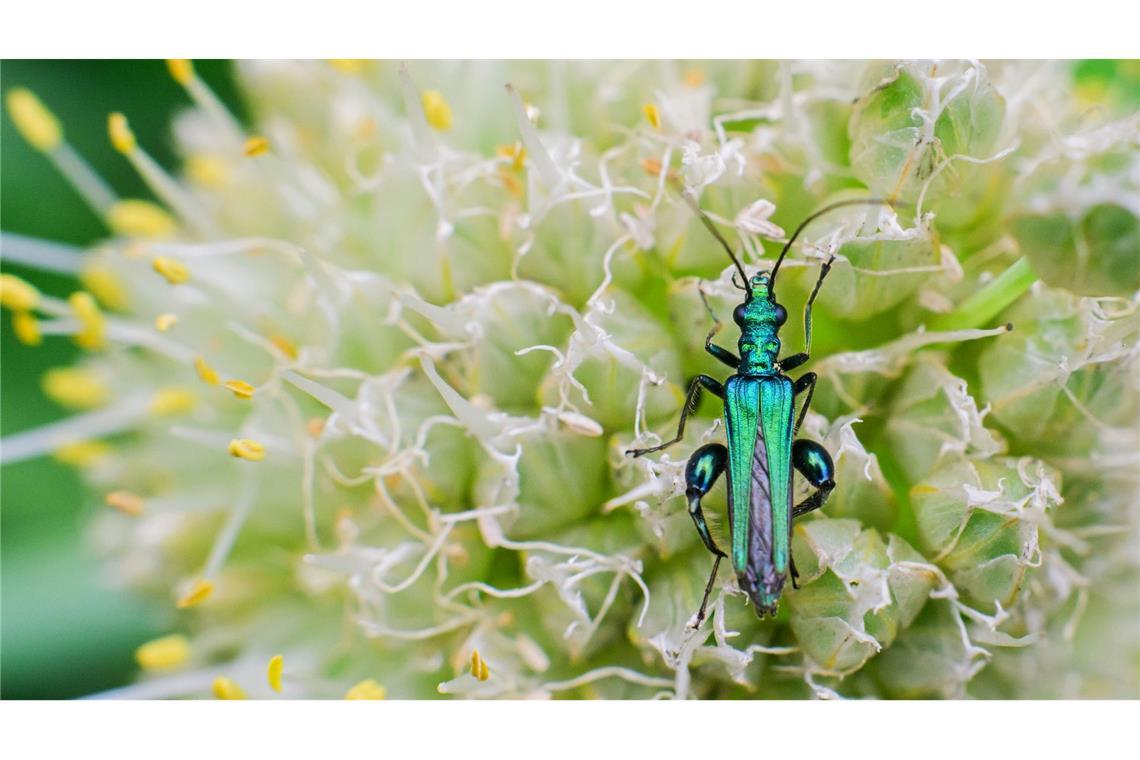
759 319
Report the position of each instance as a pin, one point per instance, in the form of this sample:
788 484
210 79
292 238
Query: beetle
761 424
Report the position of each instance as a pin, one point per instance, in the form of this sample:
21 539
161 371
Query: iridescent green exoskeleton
761 422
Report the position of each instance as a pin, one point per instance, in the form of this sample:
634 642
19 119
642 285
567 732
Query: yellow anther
173 270
652 115
139 218
18 294
436 110
106 286
239 388
207 170
27 328
207 373
516 152
273 673
695 78
479 666
244 448
166 653
314 427
284 345
92 325
82 453
33 120
226 688
256 145
511 183
171 401
181 70
164 322
126 502
75 387
199 591
348 65
122 138
366 689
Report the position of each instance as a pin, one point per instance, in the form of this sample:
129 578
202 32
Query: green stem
987 303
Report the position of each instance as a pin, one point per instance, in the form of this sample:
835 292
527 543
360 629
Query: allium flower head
358 383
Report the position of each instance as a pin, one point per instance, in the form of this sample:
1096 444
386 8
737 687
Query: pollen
33 120
122 138
207 373
199 591
244 448
106 286
284 345
516 152
140 219
27 328
256 145
348 65
163 322
166 653
652 115
173 270
366 689
171 401
436 110
273 672
479 666
17 294
92 325
126 502
181 70
239 388
82 453
227 688
75 387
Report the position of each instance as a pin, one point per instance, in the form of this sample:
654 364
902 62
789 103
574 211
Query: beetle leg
691 398
807 381
814 463
703 468
722 354
793 361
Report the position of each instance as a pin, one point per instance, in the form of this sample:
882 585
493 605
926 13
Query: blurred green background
63 631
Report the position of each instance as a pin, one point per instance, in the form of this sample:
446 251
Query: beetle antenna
716 233
812 218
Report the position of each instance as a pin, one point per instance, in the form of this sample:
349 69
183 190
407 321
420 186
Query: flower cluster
358 385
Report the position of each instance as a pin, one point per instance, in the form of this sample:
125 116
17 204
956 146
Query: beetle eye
738 315
781 314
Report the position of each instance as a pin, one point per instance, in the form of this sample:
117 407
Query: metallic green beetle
760 419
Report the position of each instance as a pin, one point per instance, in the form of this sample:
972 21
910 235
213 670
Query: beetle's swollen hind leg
691 398
704 467
814 463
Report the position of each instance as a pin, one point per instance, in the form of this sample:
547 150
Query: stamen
92 334
142 219
173 270
240 388
652 115
547 169
172 401
182 71
106 286
77 454
244 448
273 673
26 328
17 294
348 65
256 145
166 653
164 322
207 171
122 138
207 373
479 666
39 254
426 149
199 591
126 502
436 110
70 438
226 688
366 689
75 387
